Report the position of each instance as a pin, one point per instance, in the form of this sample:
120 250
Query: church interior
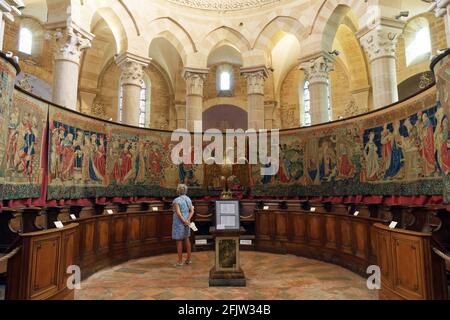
353 97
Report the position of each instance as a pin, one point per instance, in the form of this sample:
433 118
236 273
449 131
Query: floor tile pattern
269 276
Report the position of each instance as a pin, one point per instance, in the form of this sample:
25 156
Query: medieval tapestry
442 71
136 162
77 154
7 78
405 156
24 147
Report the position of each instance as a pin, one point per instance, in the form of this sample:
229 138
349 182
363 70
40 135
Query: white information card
393 224
58 224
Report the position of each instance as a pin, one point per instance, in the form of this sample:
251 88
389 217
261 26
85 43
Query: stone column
132 68
195 79
380 46
256 78
442 9
70 44
317 72
8 9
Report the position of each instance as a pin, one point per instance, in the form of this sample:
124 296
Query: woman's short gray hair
182 189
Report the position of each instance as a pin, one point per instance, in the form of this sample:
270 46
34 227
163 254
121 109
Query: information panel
227 215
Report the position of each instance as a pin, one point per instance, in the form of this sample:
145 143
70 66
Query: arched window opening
417 41
120 117
330 111
225 81
25 41
143 105
307 121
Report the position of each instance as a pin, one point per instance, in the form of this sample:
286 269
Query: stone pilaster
269 115
70 44
131 77
181 115
195 79
380 46
256 78
317 72
8 10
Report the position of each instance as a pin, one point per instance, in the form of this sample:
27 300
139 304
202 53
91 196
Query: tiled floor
269 276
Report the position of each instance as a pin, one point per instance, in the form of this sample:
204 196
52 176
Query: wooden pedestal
227 271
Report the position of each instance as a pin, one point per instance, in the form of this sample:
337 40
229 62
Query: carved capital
442 7
69 44
194 81
256 78
380 43
318 69
132 67
10 9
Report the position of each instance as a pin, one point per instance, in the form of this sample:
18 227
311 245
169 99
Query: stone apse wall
52 153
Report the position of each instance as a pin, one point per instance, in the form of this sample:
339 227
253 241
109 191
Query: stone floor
269 276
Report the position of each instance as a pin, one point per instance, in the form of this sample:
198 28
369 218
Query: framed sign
227 215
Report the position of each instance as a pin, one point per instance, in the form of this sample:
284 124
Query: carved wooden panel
134 228
87 238
67 255
361 239
346 236
45 262
263 230
103 234
409 269
383 242
315 229
281 226
330 232
150 229
298 227
119 229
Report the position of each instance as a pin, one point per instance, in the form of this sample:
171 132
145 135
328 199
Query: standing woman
183 210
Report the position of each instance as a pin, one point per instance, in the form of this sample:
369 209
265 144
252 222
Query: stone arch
330 16
268 37
115 25
224 36
174 33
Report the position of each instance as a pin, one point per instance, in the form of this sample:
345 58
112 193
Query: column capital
381 42
70 43
256 78
318 68
195 79
10 9
132 67
441 7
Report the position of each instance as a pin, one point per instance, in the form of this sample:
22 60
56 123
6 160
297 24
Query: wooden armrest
443 256
4 259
